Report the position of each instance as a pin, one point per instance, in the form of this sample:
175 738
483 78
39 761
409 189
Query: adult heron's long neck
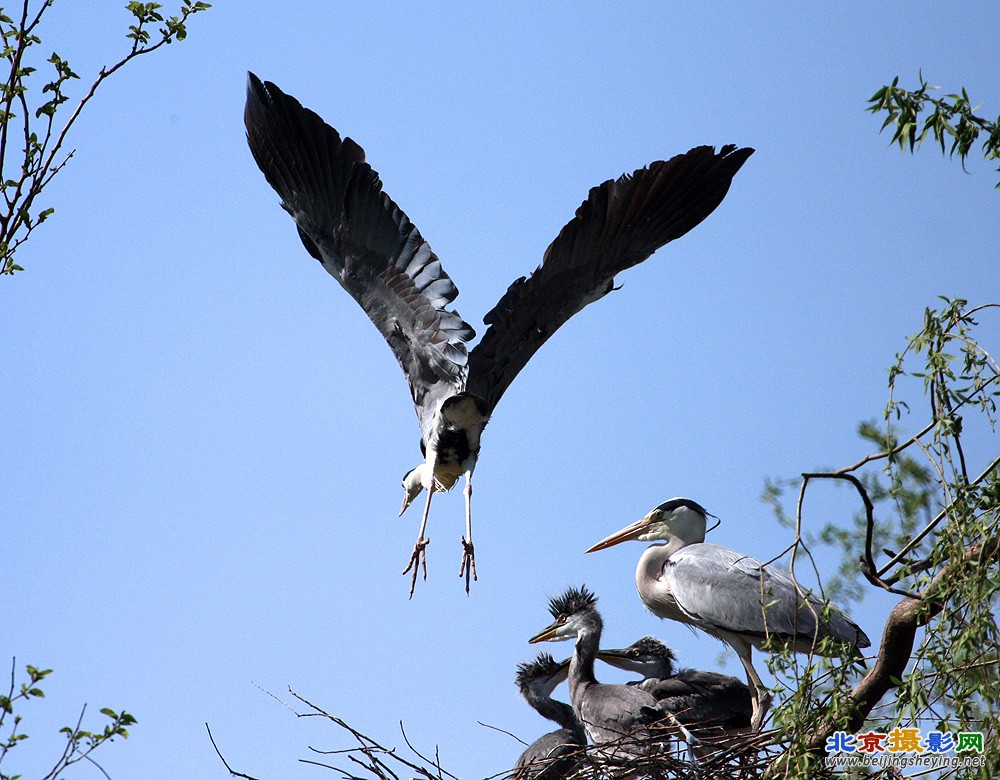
649 571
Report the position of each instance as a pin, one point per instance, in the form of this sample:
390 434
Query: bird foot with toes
468 568
417 559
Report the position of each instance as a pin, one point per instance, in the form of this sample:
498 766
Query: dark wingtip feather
620 224
304 159
573 600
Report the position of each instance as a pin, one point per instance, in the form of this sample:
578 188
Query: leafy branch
950 117
928 532
31 141
80 743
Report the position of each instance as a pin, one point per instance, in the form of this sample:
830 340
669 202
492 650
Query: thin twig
502 731
99 767
933 523
232 772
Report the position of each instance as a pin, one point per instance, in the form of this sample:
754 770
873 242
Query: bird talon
418 560
468 567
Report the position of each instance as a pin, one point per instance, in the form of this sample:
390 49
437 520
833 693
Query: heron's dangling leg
690 740
468 568
760 699
419 557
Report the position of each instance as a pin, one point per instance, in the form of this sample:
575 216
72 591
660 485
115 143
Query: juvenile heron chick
698 699
556 754
608 712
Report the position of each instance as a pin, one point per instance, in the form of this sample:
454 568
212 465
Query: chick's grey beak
617 658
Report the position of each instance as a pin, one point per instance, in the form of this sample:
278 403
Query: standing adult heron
368 244
556 754
729 595
608 712
697 699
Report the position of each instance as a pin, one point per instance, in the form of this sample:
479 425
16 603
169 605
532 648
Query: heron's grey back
723 589
703 698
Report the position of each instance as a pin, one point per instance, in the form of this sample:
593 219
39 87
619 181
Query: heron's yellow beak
627 534
545 635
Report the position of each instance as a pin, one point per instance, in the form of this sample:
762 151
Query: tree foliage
31 154
34 123
950 117
80 743
927 533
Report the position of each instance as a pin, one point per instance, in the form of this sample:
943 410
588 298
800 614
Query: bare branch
502 731
232 772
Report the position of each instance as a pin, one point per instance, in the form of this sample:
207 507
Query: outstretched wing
622 222
363 239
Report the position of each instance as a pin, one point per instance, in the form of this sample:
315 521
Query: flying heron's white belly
454 447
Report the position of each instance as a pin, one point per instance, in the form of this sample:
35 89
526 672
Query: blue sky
203 436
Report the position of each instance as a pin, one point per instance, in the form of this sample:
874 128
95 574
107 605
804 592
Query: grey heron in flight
699 700
366 242
608 712
556 754
729 595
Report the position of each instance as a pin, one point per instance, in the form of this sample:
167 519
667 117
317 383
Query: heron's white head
680 521
413 483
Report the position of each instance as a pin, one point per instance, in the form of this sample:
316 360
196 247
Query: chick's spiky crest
544 666
572 601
